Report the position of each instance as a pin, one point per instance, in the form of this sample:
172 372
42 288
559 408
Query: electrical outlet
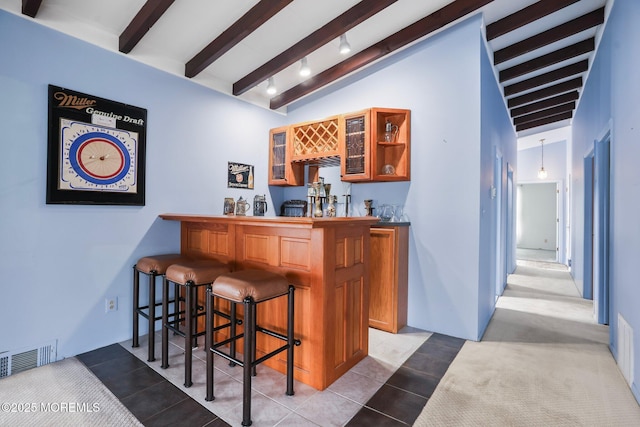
110 304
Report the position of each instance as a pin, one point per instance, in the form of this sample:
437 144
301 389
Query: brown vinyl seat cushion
258 284
158 263
199 271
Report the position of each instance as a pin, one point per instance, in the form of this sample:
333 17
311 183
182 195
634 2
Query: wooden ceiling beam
438 19
546 92
248 23
552 35
551 76
547 120
148 15
545 103
548 112
549 59
31 7
332 30
525 16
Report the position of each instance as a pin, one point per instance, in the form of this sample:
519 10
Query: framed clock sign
96 150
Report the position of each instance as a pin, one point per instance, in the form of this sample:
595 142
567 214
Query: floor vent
12 362
625 349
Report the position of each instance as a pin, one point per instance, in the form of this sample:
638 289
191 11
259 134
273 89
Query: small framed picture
240 176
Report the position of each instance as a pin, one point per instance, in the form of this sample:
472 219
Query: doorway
596 228
537 222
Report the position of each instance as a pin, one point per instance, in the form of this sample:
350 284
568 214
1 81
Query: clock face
97 158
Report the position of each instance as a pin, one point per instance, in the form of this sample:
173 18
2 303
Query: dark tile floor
157 402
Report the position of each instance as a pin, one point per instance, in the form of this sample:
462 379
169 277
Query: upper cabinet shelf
368 145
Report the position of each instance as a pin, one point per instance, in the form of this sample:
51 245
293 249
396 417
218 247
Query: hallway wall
610 103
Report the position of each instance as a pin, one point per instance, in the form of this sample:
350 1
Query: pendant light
542 173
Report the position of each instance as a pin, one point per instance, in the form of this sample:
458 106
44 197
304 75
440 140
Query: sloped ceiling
542 50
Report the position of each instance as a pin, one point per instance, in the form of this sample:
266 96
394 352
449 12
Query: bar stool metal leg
152 316
291 341
136 296
208 342
249 342
165 321
188 326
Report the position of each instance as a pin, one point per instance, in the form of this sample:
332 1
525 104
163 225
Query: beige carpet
63 393
543 361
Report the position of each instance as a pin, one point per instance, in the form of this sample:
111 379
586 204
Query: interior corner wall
498 147
610 102
438 79
60 262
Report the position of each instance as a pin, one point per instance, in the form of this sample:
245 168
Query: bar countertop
275 221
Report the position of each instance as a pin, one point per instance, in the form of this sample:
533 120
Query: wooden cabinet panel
389 278
295 253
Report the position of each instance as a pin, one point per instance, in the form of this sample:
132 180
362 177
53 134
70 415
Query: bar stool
153 266
191 275
250 288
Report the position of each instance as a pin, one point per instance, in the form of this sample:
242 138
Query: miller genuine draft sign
96 150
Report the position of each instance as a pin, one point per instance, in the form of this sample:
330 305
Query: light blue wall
498 153
440 81
610 101
58 263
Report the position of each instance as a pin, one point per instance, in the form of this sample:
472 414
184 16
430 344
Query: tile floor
388 388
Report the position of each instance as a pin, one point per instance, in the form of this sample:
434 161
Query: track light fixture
304 67
271 86
345 47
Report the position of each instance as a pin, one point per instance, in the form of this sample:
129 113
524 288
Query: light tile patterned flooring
334 406
389 387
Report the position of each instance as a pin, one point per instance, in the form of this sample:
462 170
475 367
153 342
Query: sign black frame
68 104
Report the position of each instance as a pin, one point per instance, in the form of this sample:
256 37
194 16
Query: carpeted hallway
543 361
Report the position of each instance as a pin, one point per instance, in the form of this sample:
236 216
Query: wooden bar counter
326 259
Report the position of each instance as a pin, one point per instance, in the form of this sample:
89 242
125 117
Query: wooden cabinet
377 145
389 277
391 144
282 171
368 145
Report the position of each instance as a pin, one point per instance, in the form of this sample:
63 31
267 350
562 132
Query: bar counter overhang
326 259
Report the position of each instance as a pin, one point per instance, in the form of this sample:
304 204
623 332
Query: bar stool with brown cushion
191 275
250 288
153 266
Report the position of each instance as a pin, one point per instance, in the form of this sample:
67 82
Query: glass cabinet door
355 163
282 171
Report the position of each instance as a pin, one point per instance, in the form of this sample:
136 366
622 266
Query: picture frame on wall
96 150
239 175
